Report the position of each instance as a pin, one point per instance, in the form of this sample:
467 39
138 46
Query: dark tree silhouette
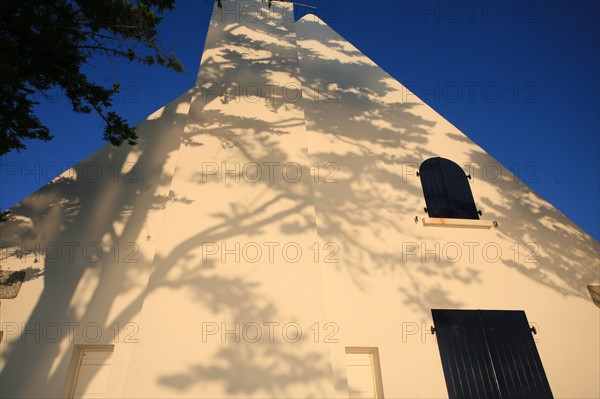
45 43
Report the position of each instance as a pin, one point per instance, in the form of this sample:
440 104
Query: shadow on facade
365 211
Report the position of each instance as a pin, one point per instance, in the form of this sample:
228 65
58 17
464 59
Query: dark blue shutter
515 357
489 354
446 189
465 357
434 190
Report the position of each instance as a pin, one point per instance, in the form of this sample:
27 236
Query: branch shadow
358 209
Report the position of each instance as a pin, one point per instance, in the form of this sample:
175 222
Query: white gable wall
393 271
93 231
193 213
194 289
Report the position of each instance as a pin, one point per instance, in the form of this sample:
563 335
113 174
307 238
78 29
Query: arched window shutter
434 189
446 189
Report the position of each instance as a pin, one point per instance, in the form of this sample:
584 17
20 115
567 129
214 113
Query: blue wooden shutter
446 189
465 357
434 190
489 353
514 355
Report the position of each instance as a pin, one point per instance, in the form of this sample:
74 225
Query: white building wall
93 231
214 269
187 204
393 271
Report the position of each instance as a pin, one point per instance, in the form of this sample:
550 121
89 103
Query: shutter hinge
533 329
425 209
432 330
479 212
416 219
418 174
469 176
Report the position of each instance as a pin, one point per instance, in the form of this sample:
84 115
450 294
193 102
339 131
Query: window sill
460 223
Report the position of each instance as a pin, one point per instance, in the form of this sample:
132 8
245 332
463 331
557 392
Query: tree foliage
220 3
45 44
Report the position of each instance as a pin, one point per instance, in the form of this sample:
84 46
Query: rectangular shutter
514 355
465 359
489 353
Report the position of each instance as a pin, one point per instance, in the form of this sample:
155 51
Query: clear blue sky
520 78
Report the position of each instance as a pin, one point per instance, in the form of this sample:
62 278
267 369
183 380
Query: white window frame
76 358
375 366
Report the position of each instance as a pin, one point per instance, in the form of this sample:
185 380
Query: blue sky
520 78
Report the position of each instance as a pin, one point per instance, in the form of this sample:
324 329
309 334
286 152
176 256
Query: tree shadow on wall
561 256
